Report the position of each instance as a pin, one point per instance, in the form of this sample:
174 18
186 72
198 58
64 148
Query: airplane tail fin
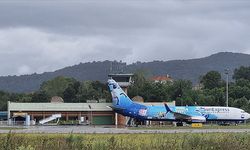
167 108
119 97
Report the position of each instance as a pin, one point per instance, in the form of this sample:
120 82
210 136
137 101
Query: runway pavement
110 129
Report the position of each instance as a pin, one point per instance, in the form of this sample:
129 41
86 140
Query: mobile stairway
130 122
48 119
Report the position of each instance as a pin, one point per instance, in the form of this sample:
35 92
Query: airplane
123 105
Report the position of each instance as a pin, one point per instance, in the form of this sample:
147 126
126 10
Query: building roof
121 75
161 78
3 113
59 106
12 106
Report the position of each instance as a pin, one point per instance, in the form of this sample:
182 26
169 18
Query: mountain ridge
189 69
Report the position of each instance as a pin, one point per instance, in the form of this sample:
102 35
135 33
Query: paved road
105 129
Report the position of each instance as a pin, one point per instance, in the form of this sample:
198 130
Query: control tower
124 80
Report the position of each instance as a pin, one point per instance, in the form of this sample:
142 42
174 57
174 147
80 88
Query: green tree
237 92
178 90
211 79
146 91
4 98
242 103
23 97
70 93
20 97
242 73
192 98
86 92
139 82
215 97
40 96
57 86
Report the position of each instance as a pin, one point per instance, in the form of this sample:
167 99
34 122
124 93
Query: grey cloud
47 35
25 54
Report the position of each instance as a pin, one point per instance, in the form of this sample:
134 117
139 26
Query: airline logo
115 100
143 112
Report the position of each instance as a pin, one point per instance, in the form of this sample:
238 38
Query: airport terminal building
80 113
94 113
85 113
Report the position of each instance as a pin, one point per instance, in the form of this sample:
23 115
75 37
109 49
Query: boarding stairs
130 121
48 119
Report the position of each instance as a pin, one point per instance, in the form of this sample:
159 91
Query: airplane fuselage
122 104
204 113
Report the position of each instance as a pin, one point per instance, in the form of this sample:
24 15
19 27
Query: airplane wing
115 108
180 116
176 114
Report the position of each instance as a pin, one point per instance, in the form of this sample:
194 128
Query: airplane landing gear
178 124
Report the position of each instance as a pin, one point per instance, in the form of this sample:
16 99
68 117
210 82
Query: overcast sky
38 36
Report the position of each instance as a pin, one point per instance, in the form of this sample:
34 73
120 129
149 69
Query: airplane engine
197 119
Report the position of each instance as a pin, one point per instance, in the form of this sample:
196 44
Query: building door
103 120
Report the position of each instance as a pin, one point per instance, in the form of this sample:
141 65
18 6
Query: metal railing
3 123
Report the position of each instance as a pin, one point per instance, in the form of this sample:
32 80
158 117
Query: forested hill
190 69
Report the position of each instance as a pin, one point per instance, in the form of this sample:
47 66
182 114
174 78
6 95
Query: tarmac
108 130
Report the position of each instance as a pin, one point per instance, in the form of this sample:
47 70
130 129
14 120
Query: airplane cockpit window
114 86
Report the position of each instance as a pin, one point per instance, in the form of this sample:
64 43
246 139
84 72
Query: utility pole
91 117
227 73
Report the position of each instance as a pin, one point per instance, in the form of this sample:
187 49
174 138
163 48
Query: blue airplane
123 105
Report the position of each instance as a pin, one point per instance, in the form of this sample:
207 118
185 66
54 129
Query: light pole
227 72
90 114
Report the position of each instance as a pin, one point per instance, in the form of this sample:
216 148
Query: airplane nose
248 116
